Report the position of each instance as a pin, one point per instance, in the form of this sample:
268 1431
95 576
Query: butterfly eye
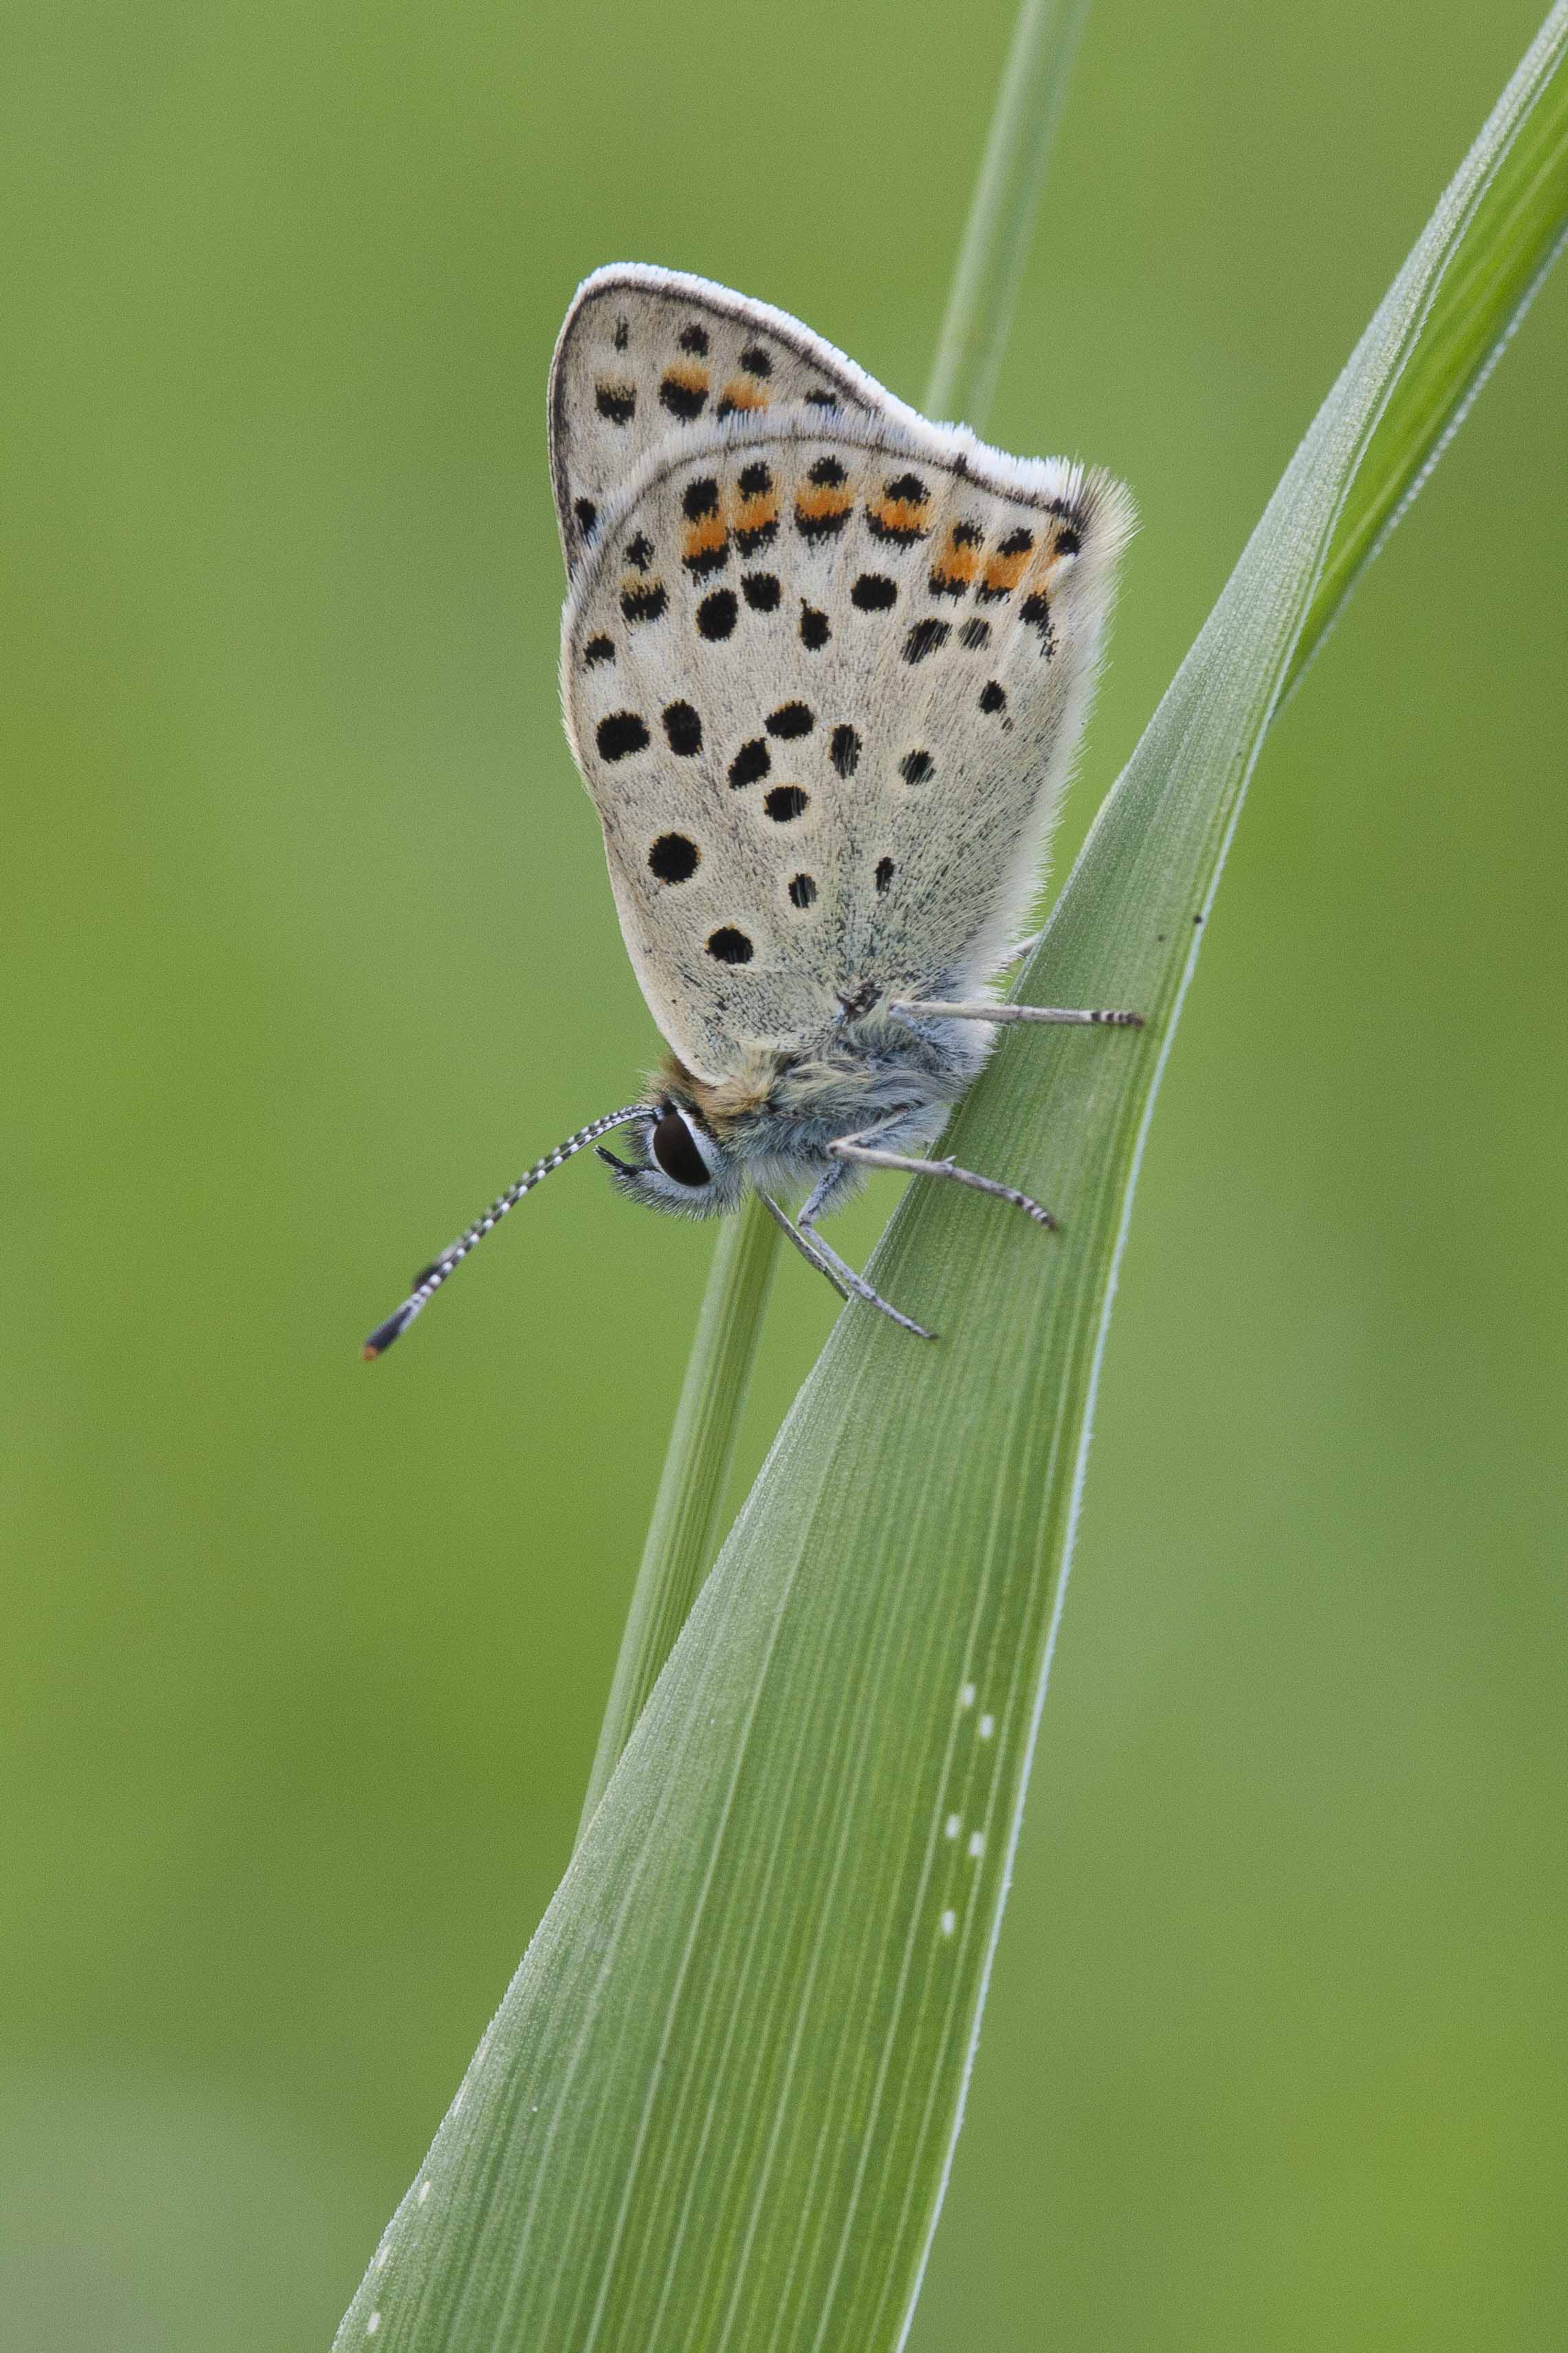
676 1151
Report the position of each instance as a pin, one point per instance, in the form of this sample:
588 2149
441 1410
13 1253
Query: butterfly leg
1021 948
826 1259
934 1009
855 1148
787 1226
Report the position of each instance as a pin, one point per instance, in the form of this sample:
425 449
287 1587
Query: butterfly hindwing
647 354
823 676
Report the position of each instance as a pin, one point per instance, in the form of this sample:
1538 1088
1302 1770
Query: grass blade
718 2103
989 273
682 1533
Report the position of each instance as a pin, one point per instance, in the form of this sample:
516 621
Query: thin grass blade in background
683 1534
717 2106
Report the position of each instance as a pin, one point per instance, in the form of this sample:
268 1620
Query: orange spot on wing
1002 573
815 500
900 518
705 537
956 565
690 378
743 394
756 516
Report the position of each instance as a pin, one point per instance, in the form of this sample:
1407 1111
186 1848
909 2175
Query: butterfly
824 668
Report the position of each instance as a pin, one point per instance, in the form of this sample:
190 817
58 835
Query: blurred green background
303 1663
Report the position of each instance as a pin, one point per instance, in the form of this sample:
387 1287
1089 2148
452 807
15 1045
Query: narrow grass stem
996 251
682 1536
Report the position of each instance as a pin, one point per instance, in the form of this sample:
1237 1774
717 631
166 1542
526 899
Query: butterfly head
681 1166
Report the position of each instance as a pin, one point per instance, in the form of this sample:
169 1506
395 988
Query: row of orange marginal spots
688 384
959 562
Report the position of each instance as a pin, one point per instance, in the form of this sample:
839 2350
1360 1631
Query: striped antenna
429 1278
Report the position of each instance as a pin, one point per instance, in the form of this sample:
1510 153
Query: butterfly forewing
823 677
647 354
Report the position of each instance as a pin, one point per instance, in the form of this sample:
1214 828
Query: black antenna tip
382 1338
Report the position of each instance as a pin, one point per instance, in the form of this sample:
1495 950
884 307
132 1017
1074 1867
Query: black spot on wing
640 604
1037 611
674 857
716 615
683 730
873 593
686 401
700 561
752 761
926 638
730 947
620 733
791 719
843 751
815 632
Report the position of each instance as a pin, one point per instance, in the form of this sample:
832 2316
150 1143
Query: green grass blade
683 1535
716 2108
996 251
1474 310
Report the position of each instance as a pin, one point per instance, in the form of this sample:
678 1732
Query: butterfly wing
646 354
824 678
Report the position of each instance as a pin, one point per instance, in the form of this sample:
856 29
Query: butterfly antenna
429 1278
